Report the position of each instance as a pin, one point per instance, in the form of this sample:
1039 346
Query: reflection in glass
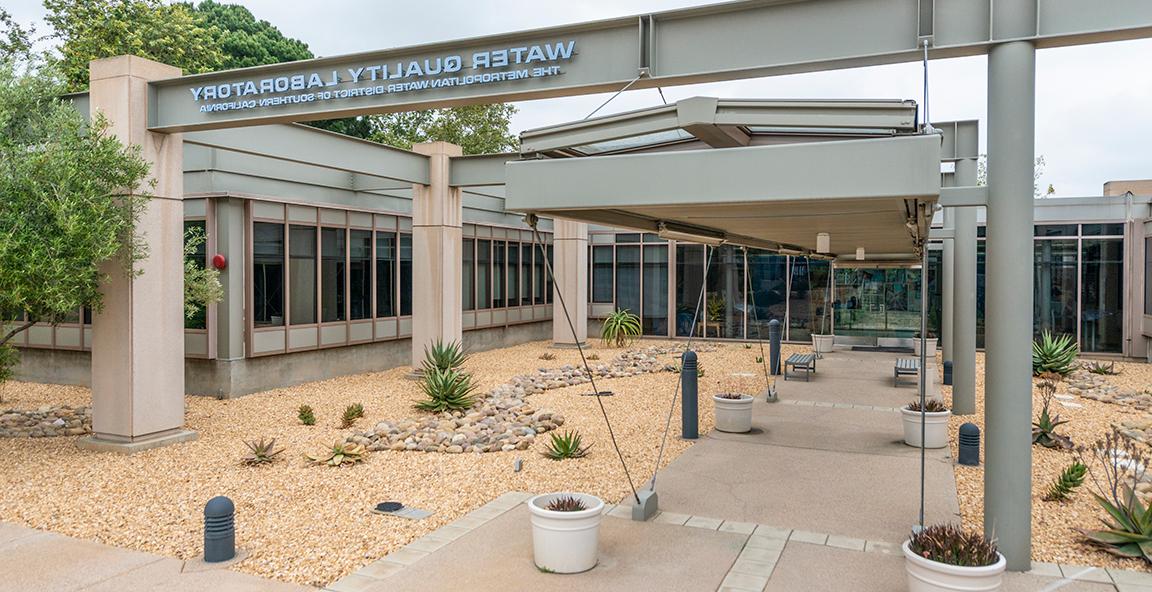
689 281
332 274
513 274
602 274
302 274
360 274
483 273
725 304
767 291
526 254
405 274
655 319
1102 295
468 276
200 259
385 274
499 251
810 298
628 278
267 274
877 302
1055 286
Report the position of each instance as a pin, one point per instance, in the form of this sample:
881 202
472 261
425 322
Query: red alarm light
219 261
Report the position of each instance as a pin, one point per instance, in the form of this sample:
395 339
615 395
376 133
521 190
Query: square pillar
138 338
571 286
947 291
437 251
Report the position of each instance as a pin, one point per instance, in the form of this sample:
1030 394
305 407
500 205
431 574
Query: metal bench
805 362
905 367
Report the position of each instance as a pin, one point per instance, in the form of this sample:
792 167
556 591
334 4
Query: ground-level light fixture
674 231
823 242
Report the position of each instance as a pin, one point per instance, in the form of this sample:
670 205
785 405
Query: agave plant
951 544
446 390
339 454
261 452
1101 368
566 445
444 356
1054 354
351 414
566 503
620 328
1128 527
1044 428
930 406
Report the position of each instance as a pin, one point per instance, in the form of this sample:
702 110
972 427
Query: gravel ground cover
1055 537
312 525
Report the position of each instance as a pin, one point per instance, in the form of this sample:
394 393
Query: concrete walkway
33 560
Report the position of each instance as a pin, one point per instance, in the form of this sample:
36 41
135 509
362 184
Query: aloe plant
1054 354
261 452
339 454
351 414
1127 528
446 390
620 328
444 356
953 545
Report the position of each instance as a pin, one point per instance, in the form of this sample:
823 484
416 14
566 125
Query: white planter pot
733 415
930 576
930 347
935 428
566 542
822 344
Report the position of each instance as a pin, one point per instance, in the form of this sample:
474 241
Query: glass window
405 274
655 318
200 259
483 273
513 274
935 291
1148 276
689 281
360 274
302 274
810 298
877 302
1102 230
767 291
628 237
548 288
725 304
980 266
981 231
1102 295
628 279
385 274
1055 286
332 275
468 276
538 274
499 261
527 252
1055 230
602 274
267 274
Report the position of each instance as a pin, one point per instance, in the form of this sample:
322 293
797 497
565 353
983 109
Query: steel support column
1008 381
964 304
947 287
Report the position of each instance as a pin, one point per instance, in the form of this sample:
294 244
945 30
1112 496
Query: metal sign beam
747 39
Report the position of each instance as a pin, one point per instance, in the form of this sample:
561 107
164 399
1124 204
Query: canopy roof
761 173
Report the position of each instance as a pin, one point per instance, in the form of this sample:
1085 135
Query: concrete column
964 299
230 310
437 212
570 241
138 337
947 289
1008 380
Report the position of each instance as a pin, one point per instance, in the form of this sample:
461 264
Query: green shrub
351 414
446 390
1054 354
1044 428
952 545
261 452
565 446
620 328
306 416
444 356
9 357
1070 478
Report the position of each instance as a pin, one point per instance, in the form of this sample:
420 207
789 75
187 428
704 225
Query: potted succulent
929 345
936 416
822 339
733 412
946 557
565 531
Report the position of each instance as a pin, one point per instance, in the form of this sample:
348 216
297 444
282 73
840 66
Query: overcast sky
1093 105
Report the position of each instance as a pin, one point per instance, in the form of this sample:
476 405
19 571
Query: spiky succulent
339 454
446 390
1045 426
351 414
731 396
1101 368
951 544
1054 354
620 328
547 356
566 503
566 445
1070 478
930 406
261 452
306 416
444 356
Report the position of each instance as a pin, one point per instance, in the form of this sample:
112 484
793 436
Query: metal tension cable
531 220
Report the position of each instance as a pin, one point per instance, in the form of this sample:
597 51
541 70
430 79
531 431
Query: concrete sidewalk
34 560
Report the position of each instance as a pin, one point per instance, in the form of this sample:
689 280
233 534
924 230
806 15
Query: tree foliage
478 129
15 40
94 29
243 40
63 211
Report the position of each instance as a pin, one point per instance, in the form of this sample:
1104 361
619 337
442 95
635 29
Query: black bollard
969 445
219 530
775 333
689 409
948 372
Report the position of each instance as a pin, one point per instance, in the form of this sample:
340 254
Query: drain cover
398 509
388 506
599 394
